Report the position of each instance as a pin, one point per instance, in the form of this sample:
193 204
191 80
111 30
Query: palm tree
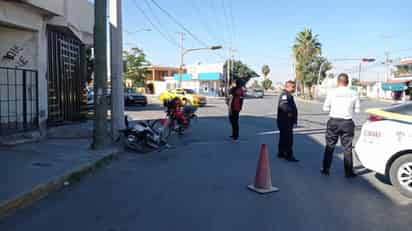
265 70
305 49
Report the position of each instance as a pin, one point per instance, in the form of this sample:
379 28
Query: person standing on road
287 119
235 103
341 103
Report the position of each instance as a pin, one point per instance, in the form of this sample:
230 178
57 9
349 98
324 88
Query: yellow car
188 95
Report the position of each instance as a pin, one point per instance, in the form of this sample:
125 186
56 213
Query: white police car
385 145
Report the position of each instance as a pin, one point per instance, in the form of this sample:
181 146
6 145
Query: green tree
305 49
265 70
89 65
267 84
240 71
135 66
311 72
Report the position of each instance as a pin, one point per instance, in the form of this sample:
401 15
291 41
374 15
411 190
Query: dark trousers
345 130
234 121
285 147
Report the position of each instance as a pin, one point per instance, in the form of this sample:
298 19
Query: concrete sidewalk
28 172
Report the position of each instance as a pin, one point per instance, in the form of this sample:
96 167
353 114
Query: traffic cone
263 180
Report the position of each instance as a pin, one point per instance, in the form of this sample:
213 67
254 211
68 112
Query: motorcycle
180 114
145 136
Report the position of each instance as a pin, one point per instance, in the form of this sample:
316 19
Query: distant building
400 85
156 76
206 79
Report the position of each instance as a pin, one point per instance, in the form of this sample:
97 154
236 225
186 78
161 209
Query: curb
41 191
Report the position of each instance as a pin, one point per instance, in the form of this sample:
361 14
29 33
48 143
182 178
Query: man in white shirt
341 103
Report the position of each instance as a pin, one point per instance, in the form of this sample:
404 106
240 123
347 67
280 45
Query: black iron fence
18 100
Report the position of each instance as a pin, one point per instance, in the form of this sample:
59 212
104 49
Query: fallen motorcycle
145 136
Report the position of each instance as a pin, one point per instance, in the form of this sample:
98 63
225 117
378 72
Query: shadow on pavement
201 185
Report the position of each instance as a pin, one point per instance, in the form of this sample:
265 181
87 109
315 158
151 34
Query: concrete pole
228 69
116 51
360 71
100 138
182 51
387 75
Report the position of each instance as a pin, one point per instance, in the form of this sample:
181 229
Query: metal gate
18 100
66 79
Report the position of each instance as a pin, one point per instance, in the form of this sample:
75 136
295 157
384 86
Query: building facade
156 76
205 79
42 61
400 85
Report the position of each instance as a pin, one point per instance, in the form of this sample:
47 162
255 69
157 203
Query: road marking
297 131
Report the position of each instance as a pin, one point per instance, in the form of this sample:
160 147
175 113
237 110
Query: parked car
131 97
385 145
254 93
188 95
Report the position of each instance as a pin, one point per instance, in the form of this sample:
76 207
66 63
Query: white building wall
23 28
19 48
78 16
52 6
20 15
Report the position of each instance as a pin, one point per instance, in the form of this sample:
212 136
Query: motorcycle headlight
131 138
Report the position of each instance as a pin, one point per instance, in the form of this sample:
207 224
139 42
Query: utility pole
387 66
182 50
116 63
386 38
360 70
229 66
100 79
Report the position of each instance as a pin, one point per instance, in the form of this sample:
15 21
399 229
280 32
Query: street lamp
185 51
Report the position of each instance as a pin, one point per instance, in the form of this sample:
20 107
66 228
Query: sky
263 31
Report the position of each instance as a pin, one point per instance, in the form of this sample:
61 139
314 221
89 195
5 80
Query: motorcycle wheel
139 146
162 130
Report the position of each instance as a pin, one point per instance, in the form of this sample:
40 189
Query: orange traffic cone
263 180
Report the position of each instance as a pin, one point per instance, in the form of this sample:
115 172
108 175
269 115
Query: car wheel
401 175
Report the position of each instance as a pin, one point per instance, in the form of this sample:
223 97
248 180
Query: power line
205 23
232 20
165 36
156 19
179 24
226 20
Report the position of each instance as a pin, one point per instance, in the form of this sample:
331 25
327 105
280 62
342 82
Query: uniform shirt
341 103
287 110
237 94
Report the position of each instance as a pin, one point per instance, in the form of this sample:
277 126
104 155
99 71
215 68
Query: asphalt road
200 184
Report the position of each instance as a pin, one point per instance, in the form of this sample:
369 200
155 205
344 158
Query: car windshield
189 91
405 109
130 91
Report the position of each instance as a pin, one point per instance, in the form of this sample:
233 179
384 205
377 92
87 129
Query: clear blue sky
263 31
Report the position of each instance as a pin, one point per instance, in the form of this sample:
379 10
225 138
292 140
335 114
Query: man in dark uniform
287 118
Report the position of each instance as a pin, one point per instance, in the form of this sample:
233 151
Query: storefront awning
209 76
185 77
401 86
